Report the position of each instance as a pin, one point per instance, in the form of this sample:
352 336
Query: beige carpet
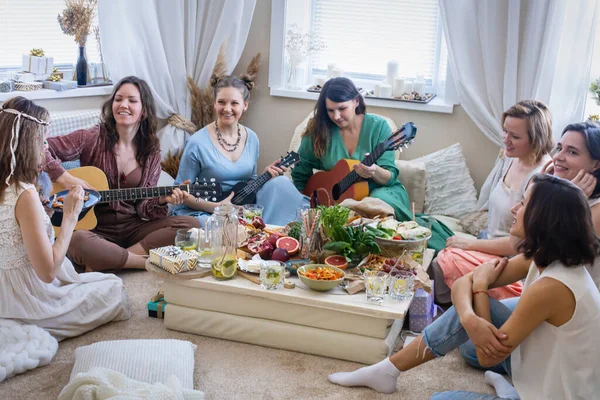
230 370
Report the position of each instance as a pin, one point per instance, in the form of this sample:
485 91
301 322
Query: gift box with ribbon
422 310
61 85
37 63
157 306
174 260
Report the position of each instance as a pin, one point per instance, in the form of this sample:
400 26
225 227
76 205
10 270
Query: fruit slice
337 261
289 243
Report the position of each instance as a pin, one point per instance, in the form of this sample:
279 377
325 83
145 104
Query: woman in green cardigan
341 129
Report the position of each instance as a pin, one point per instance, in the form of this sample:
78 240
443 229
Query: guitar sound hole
336 191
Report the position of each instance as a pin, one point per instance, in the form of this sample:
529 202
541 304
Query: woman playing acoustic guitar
38 285
341 129
125 146
228 151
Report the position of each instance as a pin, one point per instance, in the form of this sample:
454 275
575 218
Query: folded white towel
23 347
103 383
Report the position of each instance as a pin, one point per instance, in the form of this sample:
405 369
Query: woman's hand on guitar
68 181
73 202
275 170
365 172
176 197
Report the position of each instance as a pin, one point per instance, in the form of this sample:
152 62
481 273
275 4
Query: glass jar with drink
222 229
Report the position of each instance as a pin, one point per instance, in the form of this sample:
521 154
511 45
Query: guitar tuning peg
405 145
400 149
214 199
212 179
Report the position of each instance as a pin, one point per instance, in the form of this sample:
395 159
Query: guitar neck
369 160
107 196
252 187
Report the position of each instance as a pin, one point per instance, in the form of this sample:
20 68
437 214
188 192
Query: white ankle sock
381 377
503 388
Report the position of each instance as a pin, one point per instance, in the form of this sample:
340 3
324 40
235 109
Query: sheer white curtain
164 41
502 52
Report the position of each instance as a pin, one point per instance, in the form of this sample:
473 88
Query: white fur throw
103 383
23 347
145 360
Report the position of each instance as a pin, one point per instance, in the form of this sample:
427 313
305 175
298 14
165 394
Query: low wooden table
332 324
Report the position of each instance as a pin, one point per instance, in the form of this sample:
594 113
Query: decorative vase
82 67
295 78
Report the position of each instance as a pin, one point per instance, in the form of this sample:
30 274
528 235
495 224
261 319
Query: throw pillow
450 188
414 178
146 360
474 222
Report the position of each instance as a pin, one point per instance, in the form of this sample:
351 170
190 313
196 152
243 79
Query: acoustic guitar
245 192
342 182
208 190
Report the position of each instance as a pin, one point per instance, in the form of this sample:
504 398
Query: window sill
438 105
47 94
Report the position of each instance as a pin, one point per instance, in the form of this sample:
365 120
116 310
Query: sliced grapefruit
289 243
337 261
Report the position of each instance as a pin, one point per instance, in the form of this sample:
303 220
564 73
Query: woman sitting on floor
38 284
125 147
527 130
547 344
341 129
228 151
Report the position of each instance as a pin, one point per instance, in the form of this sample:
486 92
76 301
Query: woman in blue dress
228 151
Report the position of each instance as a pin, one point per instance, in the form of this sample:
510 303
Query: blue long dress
201 159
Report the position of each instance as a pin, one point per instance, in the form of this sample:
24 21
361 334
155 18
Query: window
27 24
591 107
361 37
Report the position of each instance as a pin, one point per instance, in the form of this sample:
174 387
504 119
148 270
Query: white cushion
450 188
64 122
414 178
148 361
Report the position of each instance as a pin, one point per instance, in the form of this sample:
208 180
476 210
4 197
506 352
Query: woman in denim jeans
548 343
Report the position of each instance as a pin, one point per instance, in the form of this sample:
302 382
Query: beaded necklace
230 147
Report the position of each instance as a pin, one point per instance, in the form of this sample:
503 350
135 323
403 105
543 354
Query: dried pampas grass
171 163
76 19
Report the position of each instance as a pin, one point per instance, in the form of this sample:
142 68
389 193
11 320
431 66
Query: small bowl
94 198
293 265
320 286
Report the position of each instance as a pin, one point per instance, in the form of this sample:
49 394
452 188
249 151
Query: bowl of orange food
321 277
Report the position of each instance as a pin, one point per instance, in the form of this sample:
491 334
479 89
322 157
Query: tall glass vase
82 67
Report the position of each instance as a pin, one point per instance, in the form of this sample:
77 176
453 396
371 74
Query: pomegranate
266 250
273 239
258 223
280 255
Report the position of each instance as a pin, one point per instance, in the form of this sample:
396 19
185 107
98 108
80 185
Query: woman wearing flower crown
228 151
125 146
38 284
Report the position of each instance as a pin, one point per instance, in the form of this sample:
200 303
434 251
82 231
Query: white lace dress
69 306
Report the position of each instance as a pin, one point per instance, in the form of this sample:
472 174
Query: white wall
275 118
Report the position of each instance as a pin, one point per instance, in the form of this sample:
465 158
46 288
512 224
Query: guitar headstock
289 159
206 189
402 137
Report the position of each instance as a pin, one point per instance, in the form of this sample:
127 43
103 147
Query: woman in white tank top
548 344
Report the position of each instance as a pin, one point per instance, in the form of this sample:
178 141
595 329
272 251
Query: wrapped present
24 77
157 306
37 65
6 86
61 85
174 260
422 310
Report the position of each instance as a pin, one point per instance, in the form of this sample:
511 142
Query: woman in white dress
38 284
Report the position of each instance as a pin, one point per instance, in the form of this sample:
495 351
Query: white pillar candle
408 86
392 72
337 72
385 90
376 89
330 68
419 86
398 87
321 80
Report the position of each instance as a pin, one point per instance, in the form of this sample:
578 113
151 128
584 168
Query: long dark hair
558 224
30 142
146 142
591 134
337 90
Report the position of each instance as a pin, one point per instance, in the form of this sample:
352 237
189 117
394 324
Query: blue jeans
446 334
467 350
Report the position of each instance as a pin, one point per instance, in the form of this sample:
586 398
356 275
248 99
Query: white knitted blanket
103 383
23 347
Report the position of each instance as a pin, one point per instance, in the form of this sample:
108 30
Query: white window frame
443 103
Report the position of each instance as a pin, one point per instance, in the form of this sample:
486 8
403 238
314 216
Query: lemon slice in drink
228 268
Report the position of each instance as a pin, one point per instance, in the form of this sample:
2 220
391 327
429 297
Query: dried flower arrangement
76 19
96 31
299 45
